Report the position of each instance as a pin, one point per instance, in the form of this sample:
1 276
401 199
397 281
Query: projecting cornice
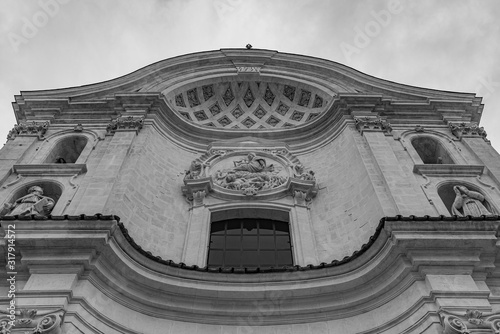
231 93
401 251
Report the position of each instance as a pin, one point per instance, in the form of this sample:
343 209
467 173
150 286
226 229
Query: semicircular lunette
249 105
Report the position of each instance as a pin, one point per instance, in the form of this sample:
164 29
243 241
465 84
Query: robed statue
468 203
32 204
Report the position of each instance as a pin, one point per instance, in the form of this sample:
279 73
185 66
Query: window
249 243
431 151
67 150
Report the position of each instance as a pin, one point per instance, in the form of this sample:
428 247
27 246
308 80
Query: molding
149 90
448 170
50 169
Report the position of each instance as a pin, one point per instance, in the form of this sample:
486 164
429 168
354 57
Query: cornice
149 90
390 261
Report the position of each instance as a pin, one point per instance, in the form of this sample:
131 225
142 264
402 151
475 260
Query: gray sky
449 44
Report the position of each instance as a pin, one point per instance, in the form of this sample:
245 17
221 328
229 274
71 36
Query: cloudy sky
448 44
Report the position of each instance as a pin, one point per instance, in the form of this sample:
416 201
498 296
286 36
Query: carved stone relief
372 124
31 321
247 173
467 130
251 174
473 321
28 129
125 123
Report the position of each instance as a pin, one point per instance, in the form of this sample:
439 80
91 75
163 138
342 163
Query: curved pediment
198 98
323 78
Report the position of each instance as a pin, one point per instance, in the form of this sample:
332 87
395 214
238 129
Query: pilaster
408 197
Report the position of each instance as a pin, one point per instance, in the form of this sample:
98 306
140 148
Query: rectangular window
250 243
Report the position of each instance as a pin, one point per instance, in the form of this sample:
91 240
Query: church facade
249 191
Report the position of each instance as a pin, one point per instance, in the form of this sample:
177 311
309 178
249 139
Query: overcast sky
449 45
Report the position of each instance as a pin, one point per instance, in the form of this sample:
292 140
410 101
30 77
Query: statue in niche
250 175
32 204
468 203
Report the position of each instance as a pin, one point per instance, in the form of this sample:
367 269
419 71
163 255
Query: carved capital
471 321
28 129
372 124
463 129
127 123
32 321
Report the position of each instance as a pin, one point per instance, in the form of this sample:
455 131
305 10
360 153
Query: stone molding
470 322
467 130
344 88
450 170
125 123
27 129
31 321
167 287
49 169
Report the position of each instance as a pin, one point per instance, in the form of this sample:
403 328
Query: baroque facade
249 191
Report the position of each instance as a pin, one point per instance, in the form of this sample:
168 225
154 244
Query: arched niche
431 151
447 194
51 189
67 149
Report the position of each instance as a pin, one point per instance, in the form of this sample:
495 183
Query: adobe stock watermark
30 26
226 7
371 29
488 85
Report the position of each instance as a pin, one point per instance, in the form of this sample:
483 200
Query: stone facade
391 195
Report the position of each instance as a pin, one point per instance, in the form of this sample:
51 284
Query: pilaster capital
471 321
32 321
372 124
471 129
33 128
125 123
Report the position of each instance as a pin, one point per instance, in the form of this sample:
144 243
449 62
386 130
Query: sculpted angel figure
32 204
468 202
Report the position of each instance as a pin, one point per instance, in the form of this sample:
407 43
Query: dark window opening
67 150
431 151
249 243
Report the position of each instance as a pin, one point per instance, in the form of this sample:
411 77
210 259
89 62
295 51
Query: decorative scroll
28 129
125 123
31 321
473 321
471 129
372 124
